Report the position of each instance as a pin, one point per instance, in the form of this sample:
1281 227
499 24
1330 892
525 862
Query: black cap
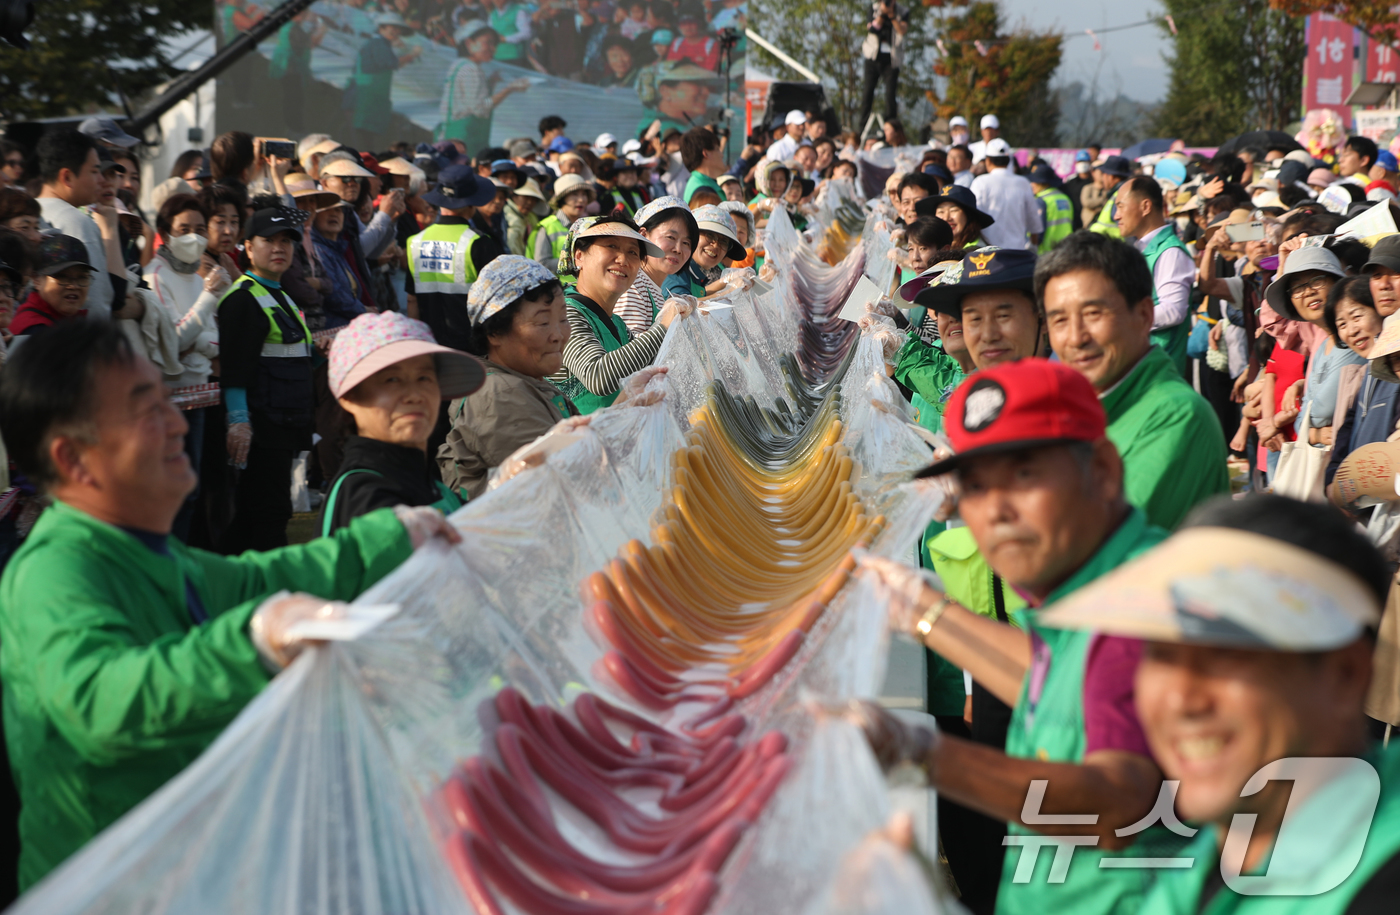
1290 172
967 201
12 272
1386 253
459 186
276 220
58 252
1117 166
1043 174
983 269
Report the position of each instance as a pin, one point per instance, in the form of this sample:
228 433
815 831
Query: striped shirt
600 371
634 308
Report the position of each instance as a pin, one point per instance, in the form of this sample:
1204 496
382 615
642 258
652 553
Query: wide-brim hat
1301 261
616 230
711 218
1225 588
966 200
980 271
345 167
908 291
470 29
373 342
684 71
1117 166
391 18
568 185
460 186
672 208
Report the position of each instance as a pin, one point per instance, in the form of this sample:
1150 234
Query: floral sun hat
501 282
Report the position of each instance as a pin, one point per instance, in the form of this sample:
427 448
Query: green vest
503 21
440 259
473 131
554 229
1059 218
1048 724
1172 339
1105 223
611 337
1179 892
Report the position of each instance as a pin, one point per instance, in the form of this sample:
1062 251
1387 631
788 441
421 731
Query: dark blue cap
967 201
1043 174
1117 166
459 186
939 172
505 165
982 269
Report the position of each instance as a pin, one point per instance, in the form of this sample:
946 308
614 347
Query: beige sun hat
567 185
345 168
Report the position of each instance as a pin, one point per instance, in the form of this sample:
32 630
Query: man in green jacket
1042 492
1097 297
1258 617
123 653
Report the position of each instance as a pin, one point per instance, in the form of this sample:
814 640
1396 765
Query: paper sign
1375 221
358 619
1315 241
865 292
760 288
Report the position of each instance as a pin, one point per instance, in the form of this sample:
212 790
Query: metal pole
776 52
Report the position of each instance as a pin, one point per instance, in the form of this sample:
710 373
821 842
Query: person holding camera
883 51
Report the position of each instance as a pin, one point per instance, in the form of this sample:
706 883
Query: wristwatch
931 615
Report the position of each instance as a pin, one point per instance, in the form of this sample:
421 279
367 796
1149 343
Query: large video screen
482 71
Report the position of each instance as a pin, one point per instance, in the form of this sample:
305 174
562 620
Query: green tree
988 70
1236 67
87 54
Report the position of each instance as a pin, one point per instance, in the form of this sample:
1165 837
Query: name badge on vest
435 256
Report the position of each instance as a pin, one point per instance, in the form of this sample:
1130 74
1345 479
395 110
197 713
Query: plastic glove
217 281
908 591
883 306
637 390
239 440
276 615
534 454
768 274
423 523
677 306
949 484
740 278
892 741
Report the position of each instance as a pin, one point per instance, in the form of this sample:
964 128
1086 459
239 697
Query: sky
1131 60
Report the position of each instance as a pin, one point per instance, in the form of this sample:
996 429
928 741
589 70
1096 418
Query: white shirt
1173 276
978 150
964 179
1010 201
68 219
783 150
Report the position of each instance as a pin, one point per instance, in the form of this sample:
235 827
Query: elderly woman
345 293
718 242
606 253
572 195
391 377
1300 294
519 326
667 223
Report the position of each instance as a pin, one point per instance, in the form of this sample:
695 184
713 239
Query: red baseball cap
1024 404
373 165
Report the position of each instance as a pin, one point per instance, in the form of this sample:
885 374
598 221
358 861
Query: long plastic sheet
324 796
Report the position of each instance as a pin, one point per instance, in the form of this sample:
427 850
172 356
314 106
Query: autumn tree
1235 67
988 70
1376 17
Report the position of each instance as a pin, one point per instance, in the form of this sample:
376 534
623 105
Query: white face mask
187 248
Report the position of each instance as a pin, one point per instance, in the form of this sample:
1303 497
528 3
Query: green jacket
698 180
1172 446
1179 892
1048 724
930 373
110 688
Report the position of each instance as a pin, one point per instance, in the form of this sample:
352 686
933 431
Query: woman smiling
605 253
519 327
667 223
391 377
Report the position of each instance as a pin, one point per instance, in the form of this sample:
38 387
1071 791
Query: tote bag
1301 467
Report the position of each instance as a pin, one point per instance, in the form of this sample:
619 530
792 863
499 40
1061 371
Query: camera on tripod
728 38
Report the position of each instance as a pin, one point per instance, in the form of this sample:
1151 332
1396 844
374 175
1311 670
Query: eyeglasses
74 282
1320 285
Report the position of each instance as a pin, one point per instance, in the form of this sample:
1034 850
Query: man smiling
1097 297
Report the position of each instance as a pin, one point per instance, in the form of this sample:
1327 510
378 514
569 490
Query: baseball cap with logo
276 220
982 270
376 341
1030 403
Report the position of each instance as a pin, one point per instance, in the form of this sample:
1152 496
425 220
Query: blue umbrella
1147 148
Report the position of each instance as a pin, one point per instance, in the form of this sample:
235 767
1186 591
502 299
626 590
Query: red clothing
1110 717
1288 368
36 314
702 51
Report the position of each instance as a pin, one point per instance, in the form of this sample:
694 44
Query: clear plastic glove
882 306
677 306
271 622
741 279
893 742
638 391
768 274
238 441
534 454
423 523
216 280
949 483
908 591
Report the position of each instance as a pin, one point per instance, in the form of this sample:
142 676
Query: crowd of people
384 333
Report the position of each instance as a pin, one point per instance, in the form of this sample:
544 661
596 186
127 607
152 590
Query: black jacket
375 474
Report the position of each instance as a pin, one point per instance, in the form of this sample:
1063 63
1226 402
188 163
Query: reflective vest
440 259
1059 218
1106 222
283 394
558 234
